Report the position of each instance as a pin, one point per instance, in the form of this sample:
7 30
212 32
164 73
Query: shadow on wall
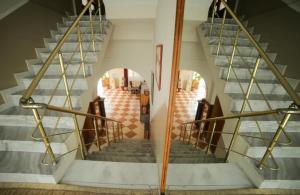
24 30
279 26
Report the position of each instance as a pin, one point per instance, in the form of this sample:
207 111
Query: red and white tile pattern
185 109
125 107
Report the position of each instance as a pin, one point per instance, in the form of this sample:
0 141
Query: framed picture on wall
158 64
152 87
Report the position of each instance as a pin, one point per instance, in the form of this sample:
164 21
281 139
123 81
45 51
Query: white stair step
228 33
267 88
20 139
89 56
227 26
73 37
84 29
240 50
267 126
214 40
245 60
245 73
71 46
43 96
96 23
50 82
72 68
19 117
25 167
288 172
259 105
219 20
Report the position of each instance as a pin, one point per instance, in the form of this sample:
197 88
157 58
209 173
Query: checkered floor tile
185 109
125 107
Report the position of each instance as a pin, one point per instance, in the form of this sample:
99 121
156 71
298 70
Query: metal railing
60 62
190 132
253 81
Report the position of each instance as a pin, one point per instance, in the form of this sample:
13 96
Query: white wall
164 34
134 9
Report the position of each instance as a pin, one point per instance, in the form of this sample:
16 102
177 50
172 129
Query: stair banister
28 93
265 57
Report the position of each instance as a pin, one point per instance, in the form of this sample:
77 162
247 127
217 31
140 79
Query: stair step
72 46
245 73
43 96
73 37
259 105
119 158
214 40
68 56
227 26
248 125
228 33
63 29
267 88
55 69
223 60
219 20
288 170
24 166
24 118
50 82
240 50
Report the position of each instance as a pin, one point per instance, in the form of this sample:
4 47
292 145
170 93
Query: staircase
135 151
20 155
187 154
287 156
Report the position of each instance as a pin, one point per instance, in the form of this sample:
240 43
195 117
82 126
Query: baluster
100 18
107 132
184 133
233 52
234 136
272 144
191 132
96 133
221 32
79 137
43 133
92 27
211 136
81 50
212 17
114 133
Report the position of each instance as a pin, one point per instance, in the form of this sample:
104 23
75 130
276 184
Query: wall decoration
158 65
152 87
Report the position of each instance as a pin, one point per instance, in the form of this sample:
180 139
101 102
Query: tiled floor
185 109
125 107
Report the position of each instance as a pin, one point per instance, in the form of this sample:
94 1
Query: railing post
272 144
79 137
184 133
100 18
221 32
212 17
198 137
233 52
211 136
107 132
191 130
81 50
237 127
92 28
46 141
96 133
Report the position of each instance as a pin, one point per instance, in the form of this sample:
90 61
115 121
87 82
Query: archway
126 99
191 88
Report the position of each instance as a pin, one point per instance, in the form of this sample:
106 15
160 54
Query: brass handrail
265 57
250 114
28 93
